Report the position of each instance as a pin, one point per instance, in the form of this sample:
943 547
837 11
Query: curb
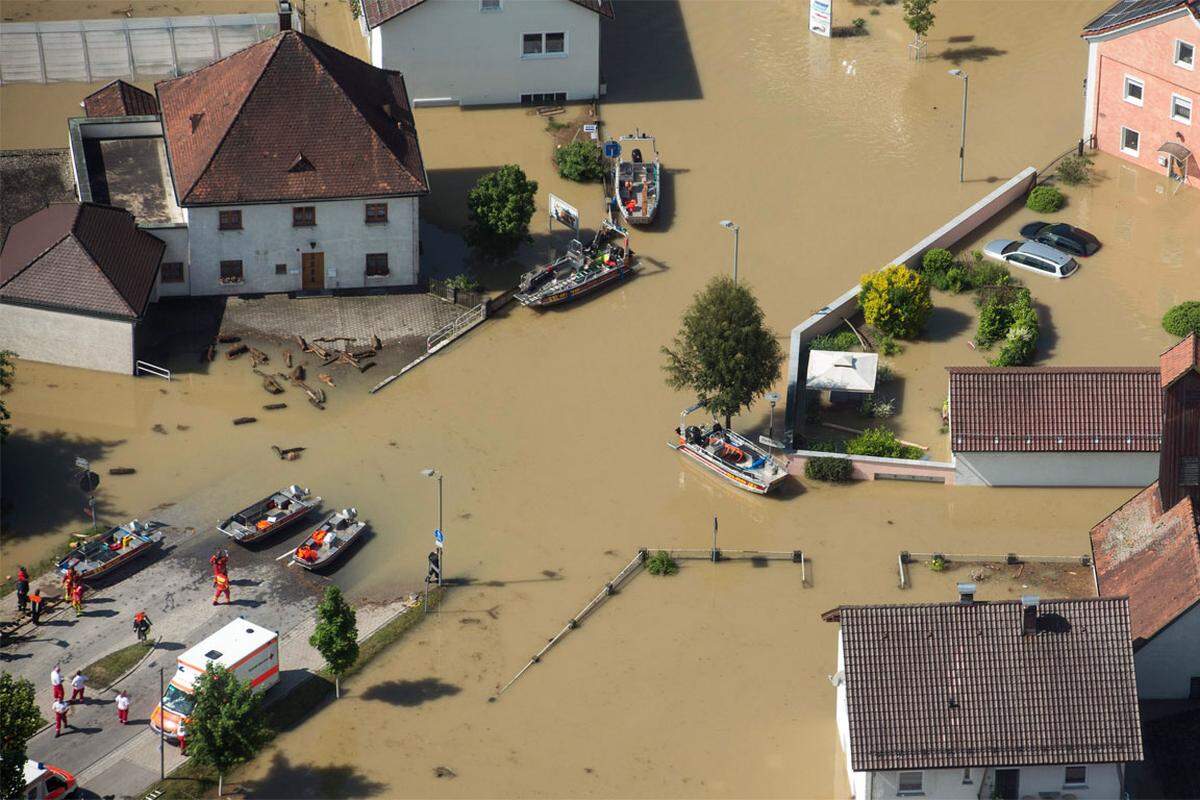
132 669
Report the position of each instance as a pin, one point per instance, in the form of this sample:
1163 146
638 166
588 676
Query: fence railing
458 327
462 297
146 367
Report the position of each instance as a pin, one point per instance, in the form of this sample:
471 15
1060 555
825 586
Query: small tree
918 16
1183 319
581 160
226 725
6 376
1074 170
19 719
1045 200
896 301
336 636
724 351
500 207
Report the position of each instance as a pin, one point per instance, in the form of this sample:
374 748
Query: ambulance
249 651
46 782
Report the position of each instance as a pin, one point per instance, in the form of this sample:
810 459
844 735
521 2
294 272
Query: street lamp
772 398
433 473
962 144
729 224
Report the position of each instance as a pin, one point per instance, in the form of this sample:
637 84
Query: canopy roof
842 371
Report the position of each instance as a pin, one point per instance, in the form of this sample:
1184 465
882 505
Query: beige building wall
73 340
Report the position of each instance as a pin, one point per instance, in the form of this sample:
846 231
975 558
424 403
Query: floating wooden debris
236 351
122 471
244 420
366 366
228 338
376 342
327 379
287 358
271 385
297 374
287 453
274 406
333 339
258 356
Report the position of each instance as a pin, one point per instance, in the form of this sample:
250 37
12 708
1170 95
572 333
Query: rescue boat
730 455
638 181
269 515
581 271
330 541
105 554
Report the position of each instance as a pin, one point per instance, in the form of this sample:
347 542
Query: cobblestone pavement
390 317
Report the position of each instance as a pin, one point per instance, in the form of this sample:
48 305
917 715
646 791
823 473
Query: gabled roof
378 12
120 99
1055 409
1151 556
80 257
1129 12
1179 360
957 684
234 129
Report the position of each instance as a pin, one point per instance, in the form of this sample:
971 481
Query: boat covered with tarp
269 515
637 176
107 552
330 541
583 270
730 455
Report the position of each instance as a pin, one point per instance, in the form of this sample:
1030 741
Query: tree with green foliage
1183 319
19 720
661 563
1074 170
500 207
6 376
896 301
226 725
581 160
918 16
724 351
336 635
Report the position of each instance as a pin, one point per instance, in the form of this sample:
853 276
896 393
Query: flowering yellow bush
896 301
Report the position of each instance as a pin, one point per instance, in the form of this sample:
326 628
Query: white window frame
534 56
910 792
1186 101
1175 56
496 9
1133 101
1078 784
1127 151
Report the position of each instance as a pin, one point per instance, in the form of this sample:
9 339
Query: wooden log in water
271 385
327 379
376 342
303 345
258 356
122 471
236 351
228 338
244 420
296 374
287 358
274 406
287 453
366 366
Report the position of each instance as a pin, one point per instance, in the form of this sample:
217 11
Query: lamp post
962 144
772 398
433 473
729 224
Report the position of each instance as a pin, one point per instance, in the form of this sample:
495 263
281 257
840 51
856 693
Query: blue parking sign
439 539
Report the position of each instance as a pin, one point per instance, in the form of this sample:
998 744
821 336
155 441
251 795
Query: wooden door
312 271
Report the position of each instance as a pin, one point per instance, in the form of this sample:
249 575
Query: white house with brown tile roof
475 52
1009 699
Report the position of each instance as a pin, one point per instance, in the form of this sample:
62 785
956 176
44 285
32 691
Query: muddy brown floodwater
550 428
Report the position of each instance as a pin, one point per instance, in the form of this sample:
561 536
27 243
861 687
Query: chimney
1029 614
285 15
966 594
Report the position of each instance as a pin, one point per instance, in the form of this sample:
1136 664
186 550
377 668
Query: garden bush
661 563
842 340
825 446
581 160
988 273
896 301
1045 199
1021 336
878 408
889 346
1183 319
835 470
881 442
938 259
463 282
1074 170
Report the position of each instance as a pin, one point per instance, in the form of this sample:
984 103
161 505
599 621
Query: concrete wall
1167 663
451 51
1103 781
73 340
1056 469
874 468
1146 54
267 238
176 237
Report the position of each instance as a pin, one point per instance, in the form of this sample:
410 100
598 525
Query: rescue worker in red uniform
222 583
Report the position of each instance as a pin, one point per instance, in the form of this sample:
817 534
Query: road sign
439 538
769 442
612 149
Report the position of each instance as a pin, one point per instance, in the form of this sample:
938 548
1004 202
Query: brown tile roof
1180 359
954 685
119 99
380 11
236 128
1055 409
1128 12
80 257
1150 556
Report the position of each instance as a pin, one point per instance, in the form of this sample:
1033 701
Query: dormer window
301 164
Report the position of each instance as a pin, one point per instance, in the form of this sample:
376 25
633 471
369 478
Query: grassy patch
392 632
102 673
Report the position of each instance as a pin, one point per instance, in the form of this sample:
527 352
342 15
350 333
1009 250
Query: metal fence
136 48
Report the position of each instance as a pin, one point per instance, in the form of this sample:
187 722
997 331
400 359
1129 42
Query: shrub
825 446
859 24
1074 170
988 273
842 340
581 160
1045 199
937 563
661 563
1021 335
881 442
835 470
1183 319
463 282
994 319
938 259
889 346
896 301
877 408
1004 293
884 373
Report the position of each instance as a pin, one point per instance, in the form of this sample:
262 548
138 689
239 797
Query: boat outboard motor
693 435
637 156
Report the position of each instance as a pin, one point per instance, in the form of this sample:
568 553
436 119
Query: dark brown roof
1180 359
380 11
80 257
957 685
1150 556
235 128
119 99
1129 12
1055 409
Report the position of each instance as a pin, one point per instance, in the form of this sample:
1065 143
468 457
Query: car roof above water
1044 251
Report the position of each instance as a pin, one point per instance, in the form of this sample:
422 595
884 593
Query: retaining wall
875 468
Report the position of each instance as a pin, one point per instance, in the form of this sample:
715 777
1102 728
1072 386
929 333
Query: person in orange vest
222 584
220 562
35 606
141 625
68 583
77 597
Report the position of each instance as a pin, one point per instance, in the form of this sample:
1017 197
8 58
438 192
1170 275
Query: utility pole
162 724
729 224
962 143
439 537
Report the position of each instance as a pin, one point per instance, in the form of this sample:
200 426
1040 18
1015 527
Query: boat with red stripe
728 454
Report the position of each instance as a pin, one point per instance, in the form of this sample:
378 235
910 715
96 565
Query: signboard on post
439 540
563 213
612 149
820 17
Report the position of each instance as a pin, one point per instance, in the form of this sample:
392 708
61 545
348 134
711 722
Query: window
490 5
1134 90
281 269
1130 141
1075 776
1185 54
1181 109
172 272
229 220
543 45
231 272
304 216
376 212
377 265
967 776
910 783
1189 471
543 98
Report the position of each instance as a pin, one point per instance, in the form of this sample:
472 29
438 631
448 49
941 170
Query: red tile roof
80 257
1151 556
380 11
1055 409
119 99
1129 12
1180 359
235 128
950 685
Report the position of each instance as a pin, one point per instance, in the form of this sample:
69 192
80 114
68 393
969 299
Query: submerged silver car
1033 256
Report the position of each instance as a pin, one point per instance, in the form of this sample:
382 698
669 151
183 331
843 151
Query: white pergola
841 371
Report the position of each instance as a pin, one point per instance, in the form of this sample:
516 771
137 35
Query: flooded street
550 428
